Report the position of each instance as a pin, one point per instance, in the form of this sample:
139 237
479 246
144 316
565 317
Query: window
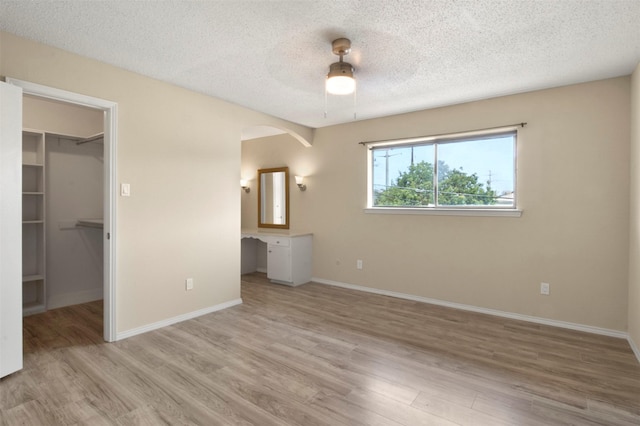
457 172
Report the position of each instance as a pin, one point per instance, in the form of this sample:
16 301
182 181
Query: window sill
444 211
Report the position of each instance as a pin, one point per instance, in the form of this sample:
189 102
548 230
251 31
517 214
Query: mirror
273 198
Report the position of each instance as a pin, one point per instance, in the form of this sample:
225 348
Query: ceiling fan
340 80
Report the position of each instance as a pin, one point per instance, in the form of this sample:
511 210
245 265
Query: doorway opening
69 181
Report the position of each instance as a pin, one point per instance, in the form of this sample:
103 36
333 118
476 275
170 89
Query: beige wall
180 151
634 232
573 183
61 118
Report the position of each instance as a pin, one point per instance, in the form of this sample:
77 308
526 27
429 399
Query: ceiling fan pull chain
325 102
355 103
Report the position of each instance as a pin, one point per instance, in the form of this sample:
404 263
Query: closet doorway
69 145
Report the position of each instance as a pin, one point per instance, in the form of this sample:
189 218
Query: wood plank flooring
319 355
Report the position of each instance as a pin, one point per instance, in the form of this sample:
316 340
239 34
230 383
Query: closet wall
74 190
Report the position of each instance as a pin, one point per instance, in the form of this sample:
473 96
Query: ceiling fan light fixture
340 79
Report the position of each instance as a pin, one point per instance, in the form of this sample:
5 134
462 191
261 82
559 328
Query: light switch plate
125 190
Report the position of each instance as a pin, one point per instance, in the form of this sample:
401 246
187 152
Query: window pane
403 176
476 172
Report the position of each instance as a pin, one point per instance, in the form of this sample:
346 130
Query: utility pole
386 166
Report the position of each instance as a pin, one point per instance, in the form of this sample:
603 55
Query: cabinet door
278 263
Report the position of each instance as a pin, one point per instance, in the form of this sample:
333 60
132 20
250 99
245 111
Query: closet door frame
110 110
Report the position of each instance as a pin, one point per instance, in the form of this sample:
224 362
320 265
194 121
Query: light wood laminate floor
319 355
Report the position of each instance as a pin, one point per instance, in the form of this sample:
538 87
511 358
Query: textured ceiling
272 56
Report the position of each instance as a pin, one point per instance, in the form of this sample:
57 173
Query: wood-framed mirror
273 198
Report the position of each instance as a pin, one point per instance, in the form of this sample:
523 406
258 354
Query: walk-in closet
62 204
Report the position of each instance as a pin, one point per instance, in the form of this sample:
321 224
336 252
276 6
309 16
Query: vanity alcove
285 256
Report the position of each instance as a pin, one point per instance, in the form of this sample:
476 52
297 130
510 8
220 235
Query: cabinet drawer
284 242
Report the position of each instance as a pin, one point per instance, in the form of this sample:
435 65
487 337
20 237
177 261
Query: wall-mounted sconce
245 185
300 183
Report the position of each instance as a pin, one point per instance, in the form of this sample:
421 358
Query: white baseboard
634 348
177 319
262 270
55 301
528 318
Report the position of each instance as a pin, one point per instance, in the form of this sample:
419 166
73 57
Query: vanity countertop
248 233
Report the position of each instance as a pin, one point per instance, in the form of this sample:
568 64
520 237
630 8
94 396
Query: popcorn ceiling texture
272 56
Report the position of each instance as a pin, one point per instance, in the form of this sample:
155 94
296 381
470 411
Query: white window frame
508 211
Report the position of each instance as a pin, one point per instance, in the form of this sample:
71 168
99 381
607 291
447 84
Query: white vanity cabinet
288 256
279 261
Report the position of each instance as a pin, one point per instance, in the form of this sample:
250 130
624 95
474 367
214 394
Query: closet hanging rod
90 223
75 138
95 137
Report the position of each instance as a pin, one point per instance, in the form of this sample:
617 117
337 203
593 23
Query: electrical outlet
544 288
359 263
188 283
